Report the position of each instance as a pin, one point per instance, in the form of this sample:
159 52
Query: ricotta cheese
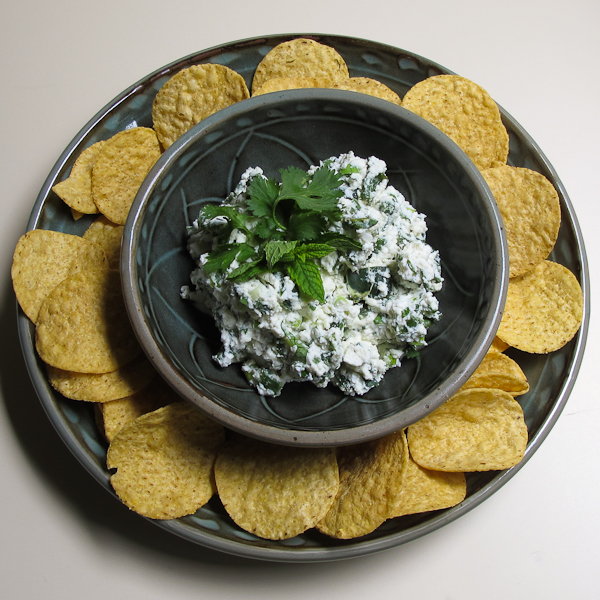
379 299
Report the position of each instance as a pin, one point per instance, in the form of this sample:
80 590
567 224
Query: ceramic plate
551 376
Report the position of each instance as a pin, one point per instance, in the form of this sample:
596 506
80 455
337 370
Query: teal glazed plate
551 376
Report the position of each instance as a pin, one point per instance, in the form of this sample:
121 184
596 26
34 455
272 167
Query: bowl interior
300 128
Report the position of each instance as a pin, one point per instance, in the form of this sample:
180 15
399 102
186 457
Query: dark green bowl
301 127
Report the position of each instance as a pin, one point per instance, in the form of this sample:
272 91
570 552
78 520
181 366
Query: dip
377 298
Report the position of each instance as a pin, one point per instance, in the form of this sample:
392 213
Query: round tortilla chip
275 492
476 430
465 112
543 310
372 87
498 345
193 94
76 190
164 461
371 476
120 168
108 235
112 416
278 84
500 372
302 58
103 387
530 210
43 258
424 490
83 325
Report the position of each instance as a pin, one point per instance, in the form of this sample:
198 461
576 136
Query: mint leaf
307 276
313 251
276 249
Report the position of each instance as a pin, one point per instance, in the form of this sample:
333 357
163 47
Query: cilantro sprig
287 227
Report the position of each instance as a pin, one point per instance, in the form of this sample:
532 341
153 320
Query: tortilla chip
500 372
76 190
476 430
43 258
275 492
544 309
83 325
103 387
498 345
530 210
114 415
120 169
300 58
424 490
372 87
108 235
370 485
164 461
465 112
193 94
278 84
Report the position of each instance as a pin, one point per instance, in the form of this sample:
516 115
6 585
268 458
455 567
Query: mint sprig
287 227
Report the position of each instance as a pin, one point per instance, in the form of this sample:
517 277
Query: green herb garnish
287 227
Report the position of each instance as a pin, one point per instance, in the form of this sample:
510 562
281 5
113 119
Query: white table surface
62 536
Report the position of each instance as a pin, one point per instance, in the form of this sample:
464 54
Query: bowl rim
329 437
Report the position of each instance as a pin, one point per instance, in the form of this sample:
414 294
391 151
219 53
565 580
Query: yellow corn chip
103 387
275 492
544 309
164 461
465 112
120 167
114 415
43 258
76 190
370 484
83 325
476 430
530 211
302 58
278 84
193 94
372 87
108 235
498 345
424 490
500 372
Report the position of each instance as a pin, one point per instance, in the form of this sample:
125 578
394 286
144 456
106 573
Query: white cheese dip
379 300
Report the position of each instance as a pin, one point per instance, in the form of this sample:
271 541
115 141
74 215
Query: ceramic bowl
301 127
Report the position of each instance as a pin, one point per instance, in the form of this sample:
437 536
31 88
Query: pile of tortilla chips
169 459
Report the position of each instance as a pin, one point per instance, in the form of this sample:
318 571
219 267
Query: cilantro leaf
262 196
246 271
220 258
306 224
319 194
238 219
